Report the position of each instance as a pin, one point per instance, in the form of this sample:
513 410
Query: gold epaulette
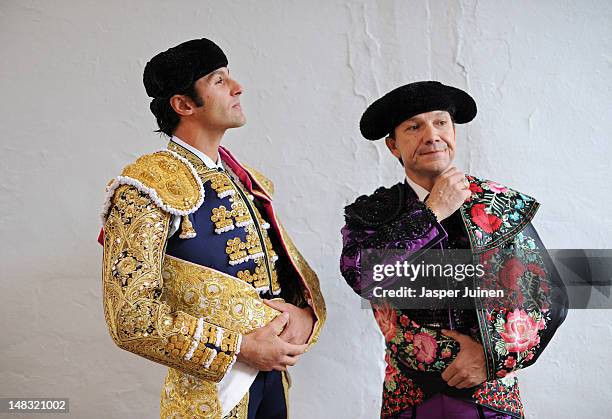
167 178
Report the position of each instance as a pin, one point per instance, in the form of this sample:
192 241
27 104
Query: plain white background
74 112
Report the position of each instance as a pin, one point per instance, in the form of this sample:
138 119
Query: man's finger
449 376
290 360
279 322
457 177
449 371
279 305
287 335
449 170
459 337
463 182
293 350
456 379
465 384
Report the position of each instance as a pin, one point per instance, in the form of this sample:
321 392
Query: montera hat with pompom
385 114
176 69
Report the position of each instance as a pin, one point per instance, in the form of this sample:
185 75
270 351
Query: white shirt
420 191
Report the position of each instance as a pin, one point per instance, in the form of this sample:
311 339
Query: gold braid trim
311 281
138 320
266 184
241 411
215 296
185 396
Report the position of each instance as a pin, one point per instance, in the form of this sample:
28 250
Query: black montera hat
382 116
173 71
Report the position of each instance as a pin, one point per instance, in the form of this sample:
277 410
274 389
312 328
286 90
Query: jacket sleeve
414 232
516 335
135 233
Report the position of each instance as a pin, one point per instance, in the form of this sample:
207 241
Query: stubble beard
238 122
431 173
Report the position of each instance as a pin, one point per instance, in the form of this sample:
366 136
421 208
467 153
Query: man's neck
425 182
205 141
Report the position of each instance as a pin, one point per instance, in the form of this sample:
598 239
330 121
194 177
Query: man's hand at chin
300 324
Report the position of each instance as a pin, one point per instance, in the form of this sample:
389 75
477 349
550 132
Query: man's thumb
452 334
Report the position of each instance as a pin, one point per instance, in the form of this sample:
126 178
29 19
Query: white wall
74 112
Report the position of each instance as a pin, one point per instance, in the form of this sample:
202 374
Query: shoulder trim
167 178
381 207
495 213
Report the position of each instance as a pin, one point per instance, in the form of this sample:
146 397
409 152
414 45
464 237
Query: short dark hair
167 118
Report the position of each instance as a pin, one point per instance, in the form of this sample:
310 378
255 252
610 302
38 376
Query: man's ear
392 146
182 105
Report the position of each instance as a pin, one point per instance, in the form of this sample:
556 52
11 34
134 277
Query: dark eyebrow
218 72
413 119
444 114
437 114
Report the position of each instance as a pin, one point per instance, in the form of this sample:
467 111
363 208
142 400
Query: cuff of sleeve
196 339
238 344
431 214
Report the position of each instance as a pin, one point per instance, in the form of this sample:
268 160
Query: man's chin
435 170
238 123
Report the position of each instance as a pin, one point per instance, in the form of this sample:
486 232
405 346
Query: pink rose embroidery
390 371
496 187
510 362
510 274
386 317
521 331
536 269
425 347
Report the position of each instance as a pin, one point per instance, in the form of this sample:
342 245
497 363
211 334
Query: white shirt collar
420 191
205 159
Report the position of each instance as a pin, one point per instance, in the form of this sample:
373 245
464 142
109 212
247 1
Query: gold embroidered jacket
184 315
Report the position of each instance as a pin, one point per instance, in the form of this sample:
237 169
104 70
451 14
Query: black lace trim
383 205
409 226
394 221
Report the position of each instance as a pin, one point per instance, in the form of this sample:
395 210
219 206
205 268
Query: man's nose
430 134
236 88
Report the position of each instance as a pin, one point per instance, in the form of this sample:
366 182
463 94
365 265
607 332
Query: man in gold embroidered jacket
455 362
198 273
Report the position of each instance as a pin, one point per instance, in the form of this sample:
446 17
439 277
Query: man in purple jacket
454 362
